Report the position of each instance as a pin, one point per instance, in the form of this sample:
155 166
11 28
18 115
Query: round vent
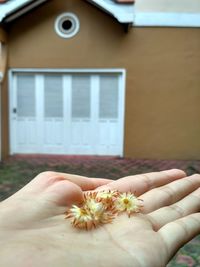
67 25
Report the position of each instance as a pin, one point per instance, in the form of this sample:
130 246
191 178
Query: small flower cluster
102 207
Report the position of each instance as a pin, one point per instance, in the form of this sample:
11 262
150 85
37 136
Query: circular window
67 25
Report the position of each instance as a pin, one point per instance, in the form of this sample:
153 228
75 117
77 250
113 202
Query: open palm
34 231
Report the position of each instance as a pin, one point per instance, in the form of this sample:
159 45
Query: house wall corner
3 69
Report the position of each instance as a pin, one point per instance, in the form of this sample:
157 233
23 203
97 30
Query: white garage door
59 113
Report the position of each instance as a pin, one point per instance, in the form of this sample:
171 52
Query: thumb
64 193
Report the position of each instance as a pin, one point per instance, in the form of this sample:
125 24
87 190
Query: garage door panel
26 96
81 96
109 96
108 122
114 139
53 96
53 132
53 121
81 133
25 118
26 135
108 132
21 132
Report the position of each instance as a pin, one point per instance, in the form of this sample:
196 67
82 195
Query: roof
122 10
15 8
142 13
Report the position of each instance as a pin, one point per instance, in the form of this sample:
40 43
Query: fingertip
176 172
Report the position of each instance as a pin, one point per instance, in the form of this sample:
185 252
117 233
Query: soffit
15 8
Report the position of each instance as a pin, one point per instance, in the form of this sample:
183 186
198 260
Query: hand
33 231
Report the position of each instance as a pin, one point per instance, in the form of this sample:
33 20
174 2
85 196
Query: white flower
94 208
107 194
80 214
128 202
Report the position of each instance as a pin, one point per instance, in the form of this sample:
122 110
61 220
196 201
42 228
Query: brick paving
190 166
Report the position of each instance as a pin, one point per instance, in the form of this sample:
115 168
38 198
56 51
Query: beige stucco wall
163 73
191 6
3 35
3 50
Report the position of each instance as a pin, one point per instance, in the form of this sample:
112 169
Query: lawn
17 171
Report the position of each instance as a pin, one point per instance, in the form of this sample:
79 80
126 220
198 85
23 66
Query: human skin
35 233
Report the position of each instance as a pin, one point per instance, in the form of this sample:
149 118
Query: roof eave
14 11
124 13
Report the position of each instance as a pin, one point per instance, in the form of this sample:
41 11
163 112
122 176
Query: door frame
13 71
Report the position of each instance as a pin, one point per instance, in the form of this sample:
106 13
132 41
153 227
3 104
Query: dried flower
102 207
108 198
110 194
128 202
81 218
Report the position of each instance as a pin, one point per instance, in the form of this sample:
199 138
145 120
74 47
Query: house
100 77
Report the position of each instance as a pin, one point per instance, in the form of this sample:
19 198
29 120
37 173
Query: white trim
67 109
122 73
122 107
39 92
11 6
11 93
73 18
124 13
95 102
63 70
167 19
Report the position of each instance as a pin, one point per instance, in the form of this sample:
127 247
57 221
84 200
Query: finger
86 183
190 204
170 193
45 179
139 184
179 232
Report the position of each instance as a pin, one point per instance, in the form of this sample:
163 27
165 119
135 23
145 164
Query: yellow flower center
83 212
126 201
